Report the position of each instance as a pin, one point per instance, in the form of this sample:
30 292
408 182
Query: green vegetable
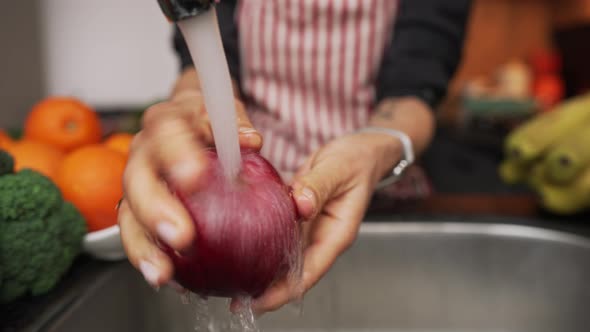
27 195
40 235
6 163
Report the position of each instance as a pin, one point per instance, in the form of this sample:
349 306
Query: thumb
314 188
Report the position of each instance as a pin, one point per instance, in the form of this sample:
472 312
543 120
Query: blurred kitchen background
111 54
521 58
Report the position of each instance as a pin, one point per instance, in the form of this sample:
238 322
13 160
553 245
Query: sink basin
397 277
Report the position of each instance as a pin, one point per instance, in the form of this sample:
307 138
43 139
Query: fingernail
167 232
296 186
306 202
247 130
254 140
308 193
150 273
184 170
250 137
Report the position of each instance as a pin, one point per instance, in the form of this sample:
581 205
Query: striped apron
308 70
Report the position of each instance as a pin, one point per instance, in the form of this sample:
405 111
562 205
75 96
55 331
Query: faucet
177 10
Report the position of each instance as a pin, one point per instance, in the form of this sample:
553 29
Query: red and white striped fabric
308 68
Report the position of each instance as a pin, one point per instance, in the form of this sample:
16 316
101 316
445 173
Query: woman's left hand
332 191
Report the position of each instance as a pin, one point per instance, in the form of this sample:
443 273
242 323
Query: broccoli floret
6 163
40 235
27 195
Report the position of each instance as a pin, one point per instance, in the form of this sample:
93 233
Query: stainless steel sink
397 277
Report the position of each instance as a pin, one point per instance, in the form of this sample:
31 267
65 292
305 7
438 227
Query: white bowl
105 244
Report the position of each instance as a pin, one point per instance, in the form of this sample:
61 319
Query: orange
64 122
38 156
91 178
119 142
5 140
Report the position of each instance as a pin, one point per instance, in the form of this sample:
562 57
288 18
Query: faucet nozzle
177 10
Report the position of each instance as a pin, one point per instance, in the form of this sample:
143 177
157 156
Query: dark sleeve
229 34
425 50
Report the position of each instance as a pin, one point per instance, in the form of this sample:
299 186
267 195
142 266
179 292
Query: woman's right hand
169 147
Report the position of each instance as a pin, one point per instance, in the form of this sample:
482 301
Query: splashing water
243 319
212 316
210 320
203 39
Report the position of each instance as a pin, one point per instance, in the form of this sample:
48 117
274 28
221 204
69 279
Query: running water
210 319
203 39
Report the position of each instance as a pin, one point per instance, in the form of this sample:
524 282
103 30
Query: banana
569 156
528 142
536 176
512 173
568 199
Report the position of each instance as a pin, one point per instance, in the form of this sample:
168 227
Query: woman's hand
333 190
168 147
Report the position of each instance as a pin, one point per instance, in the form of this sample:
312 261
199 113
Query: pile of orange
37 155
63 140
5 140
91 178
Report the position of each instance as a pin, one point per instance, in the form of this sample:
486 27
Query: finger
174 146
186 108
286 290
328 237
204 131
249 137
319 258
142 253
135 142
312 190
303 169
331 237
273 299
153 205
190 101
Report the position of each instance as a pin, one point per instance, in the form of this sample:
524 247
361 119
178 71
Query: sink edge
474 228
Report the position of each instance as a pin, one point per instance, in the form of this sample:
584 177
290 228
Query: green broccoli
6 163
40 235
27 195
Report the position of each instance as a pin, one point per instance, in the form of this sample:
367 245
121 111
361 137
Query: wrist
408 115
385 151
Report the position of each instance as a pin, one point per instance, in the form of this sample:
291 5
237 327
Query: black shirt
420 61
